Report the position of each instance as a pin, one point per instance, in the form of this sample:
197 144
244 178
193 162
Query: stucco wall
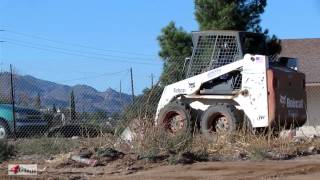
313 105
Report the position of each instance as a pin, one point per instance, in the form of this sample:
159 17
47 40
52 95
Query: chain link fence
32 108
81 110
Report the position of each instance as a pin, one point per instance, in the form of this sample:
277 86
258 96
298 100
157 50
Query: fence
41 108
32 107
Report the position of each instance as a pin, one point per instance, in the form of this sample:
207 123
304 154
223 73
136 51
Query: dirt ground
291 169
307 167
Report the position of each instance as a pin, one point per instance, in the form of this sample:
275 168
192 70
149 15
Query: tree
24 99
174 41
242 15
54 108
176 45
37 101
72 107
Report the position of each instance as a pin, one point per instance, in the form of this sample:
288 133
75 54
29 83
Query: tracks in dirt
289 169
301 168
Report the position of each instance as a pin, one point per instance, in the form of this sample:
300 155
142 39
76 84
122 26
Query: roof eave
313 84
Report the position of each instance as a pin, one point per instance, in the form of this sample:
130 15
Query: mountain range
87 99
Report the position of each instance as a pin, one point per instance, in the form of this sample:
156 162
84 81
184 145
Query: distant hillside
87 98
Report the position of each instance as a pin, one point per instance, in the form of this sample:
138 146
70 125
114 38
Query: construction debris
87 161
99 157
110 153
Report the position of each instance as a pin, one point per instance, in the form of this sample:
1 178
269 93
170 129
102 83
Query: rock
277 156
298 140
313 137
240 156
312 150
75 137
87 161
134 168
290 134
85 153
186 158
109 152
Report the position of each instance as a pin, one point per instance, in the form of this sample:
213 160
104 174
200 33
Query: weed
45 146
6 151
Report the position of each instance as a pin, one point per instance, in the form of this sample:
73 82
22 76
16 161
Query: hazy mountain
87 98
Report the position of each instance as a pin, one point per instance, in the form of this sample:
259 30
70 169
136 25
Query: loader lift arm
191 86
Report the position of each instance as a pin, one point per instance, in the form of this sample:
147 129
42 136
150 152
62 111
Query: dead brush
104 140
158 142
253 146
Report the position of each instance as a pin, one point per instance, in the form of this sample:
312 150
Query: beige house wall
313 105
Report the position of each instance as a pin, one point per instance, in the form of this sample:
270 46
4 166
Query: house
308 53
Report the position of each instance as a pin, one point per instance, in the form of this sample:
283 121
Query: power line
97 76
77 51
81 55
74 44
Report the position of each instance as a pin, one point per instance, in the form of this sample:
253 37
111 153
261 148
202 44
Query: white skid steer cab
230 82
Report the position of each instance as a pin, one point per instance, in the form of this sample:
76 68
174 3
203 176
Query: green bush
6 151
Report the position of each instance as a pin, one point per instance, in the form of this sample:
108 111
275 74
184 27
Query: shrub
158 142
6 151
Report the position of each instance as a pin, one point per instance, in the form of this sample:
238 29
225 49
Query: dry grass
157 142
258 147
153 143
52 146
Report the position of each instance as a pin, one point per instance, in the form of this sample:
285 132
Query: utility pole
132 90
12 102
151 80
120 90
1 41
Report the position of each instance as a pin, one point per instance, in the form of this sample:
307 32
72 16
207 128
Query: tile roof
308 53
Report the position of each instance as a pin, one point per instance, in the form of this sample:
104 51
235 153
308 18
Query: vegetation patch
6 151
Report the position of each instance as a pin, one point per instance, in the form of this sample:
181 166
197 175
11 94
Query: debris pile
99 157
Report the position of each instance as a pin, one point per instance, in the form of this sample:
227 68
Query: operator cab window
253 44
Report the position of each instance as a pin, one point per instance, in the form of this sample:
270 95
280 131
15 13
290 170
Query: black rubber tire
210 117
171 110
246 126
6 132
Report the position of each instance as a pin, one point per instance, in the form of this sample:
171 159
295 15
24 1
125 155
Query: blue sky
95 42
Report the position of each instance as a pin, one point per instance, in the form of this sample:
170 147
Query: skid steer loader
230 82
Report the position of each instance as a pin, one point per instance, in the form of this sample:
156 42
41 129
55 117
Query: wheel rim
218 123
2 132
222 124
174 122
